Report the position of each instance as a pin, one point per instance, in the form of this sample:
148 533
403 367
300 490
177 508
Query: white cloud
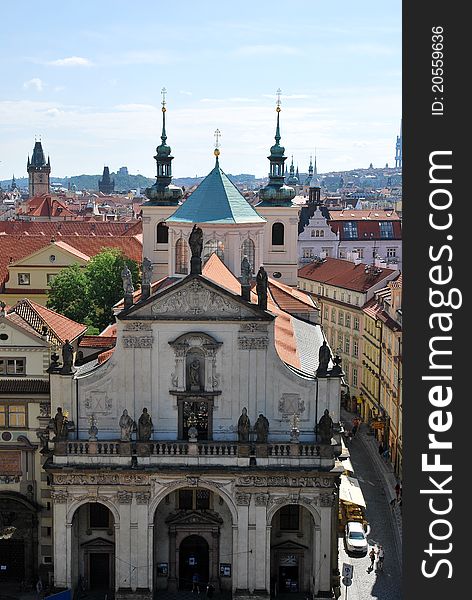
35 83
266 49
71 61
134 107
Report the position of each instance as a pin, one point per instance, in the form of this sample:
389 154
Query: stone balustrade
170 452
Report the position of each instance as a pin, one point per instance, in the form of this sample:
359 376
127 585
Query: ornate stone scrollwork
262 499
243 499
142 497
291 404
124 497
59 497
253 343
143 341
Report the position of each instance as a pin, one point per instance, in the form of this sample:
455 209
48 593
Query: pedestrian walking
39 588
380 558
209 591
372 559
196 583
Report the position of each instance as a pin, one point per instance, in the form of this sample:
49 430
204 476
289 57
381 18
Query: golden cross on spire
278 109
217 138
163 93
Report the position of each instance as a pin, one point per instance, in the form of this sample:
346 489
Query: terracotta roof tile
97 341
62 327
344 274
104 356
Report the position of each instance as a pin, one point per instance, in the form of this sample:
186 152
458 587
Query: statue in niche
325 428
195 241
262 283
324 356
194 373
127 426
244 426
60 425
145 426
261 428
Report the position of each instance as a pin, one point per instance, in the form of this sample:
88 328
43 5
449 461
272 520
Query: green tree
68 294
105 285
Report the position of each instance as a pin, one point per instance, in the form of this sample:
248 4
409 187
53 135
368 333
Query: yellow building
29 334
341 289
28 264
382 385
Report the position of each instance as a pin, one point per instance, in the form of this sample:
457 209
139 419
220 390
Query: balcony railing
227 453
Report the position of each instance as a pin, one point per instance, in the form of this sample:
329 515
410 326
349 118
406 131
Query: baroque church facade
189 453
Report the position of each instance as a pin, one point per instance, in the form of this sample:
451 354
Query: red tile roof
47 206
36 315
367 223
344 274
14 248
97 341
24 386
104 356
361 215
80 227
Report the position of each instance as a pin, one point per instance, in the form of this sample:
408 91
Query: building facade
341 290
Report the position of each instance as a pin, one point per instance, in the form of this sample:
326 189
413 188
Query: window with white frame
356 323
348 320
355 349
23 278
12 366
354 376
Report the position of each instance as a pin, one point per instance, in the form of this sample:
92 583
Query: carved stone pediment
98 543
194 517
195 298
289 545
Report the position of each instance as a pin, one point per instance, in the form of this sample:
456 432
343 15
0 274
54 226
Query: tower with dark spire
398 148
106 185
162 200
38 171
310 172
280 234
276 193
163 193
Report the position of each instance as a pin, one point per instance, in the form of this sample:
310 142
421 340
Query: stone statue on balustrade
67 358
324 356
127 426
325 428
262 284
59 425
244 426
195 241
145 426
261 428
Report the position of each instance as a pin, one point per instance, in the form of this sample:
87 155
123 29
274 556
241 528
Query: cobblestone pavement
385 585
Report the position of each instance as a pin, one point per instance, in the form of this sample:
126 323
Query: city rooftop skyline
87 82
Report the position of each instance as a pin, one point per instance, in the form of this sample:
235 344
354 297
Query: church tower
106 185
163 199
398 149
281 231
38 172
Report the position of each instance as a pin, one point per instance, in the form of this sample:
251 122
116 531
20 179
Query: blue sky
86 77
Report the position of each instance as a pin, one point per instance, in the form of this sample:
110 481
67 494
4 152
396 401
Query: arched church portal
93 548
193 534
292 550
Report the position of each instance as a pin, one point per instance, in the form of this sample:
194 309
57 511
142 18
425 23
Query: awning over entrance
350 491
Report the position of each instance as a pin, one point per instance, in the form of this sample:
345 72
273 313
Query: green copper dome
216 200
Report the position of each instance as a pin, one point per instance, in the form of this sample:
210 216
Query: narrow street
385 585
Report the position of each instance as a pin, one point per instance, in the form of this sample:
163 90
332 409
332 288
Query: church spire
163 192
216 151
398 148
275 192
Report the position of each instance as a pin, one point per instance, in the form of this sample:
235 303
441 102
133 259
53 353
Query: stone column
242 557
62 541
262 552
324 548
124 559
172 582
144 579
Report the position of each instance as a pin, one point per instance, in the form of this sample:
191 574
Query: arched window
213 246
181 256
162 233
248 249
278 234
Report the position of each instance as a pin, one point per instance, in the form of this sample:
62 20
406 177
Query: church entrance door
193 560
99 570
